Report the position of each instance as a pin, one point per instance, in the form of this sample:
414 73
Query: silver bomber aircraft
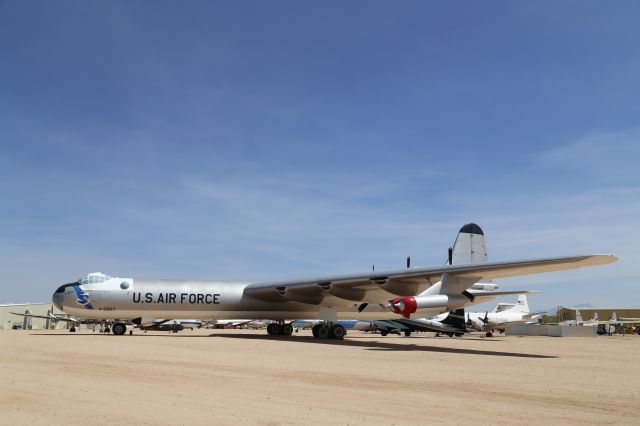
368 296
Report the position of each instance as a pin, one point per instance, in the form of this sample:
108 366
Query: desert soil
247 377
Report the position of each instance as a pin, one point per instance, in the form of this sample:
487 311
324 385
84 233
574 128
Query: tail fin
578 317
522 304
614 317
455 319
596 317
469 246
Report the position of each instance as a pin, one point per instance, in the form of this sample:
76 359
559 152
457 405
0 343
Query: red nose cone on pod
404 306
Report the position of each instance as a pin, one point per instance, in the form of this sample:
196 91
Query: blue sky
264 140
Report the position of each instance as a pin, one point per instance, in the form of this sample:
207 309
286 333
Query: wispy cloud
610 157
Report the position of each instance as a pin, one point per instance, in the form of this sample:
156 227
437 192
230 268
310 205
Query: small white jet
578 320
370 295
501 319
231 323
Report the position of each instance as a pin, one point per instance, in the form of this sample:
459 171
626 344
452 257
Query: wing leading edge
377 287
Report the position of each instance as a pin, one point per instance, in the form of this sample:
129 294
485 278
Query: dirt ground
238 376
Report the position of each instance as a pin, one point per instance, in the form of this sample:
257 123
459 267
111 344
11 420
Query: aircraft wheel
119 329
107 329
314 330
384 333
458 334
489 334
323 332
338 332
273 329
407 333
286 329
72 330
450 334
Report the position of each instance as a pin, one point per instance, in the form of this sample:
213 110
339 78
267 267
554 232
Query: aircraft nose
57 300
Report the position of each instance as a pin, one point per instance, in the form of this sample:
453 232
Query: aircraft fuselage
128 299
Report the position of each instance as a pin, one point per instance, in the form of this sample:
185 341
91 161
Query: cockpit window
94 278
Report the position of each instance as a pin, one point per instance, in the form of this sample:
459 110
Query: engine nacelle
408 305
484 286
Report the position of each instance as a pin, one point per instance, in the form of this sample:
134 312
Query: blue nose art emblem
82 297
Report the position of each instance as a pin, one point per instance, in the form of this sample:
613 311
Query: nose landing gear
119 329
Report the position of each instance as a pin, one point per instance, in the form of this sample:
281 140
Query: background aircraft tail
578 317
455 319
522 304
469 246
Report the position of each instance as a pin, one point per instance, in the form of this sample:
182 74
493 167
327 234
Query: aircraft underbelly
288 311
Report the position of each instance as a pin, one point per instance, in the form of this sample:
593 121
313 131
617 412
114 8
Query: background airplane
502 319
56 318
451 324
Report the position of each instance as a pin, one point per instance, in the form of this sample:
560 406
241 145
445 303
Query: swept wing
377 287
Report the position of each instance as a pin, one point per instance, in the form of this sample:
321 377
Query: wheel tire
107 330
384 333
314 330
286 329
407 333
338 332
72 330
489 334
273 329
119 329
323 332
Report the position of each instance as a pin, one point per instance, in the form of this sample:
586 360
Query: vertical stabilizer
596 317
578 317
469 246
455 319
614 317
522 304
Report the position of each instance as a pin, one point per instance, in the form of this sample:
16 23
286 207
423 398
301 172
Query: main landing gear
280 328
328 330
119 329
